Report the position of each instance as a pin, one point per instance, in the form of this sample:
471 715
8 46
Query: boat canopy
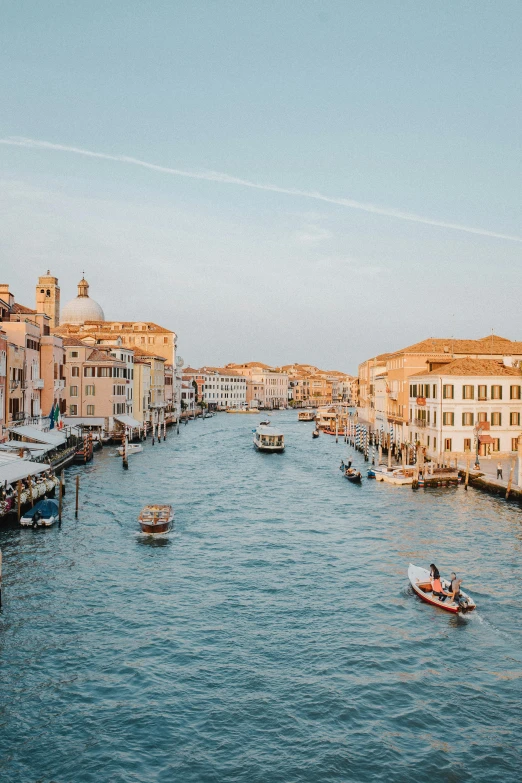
264 429
128 421
14 469
47 508
35 449
51 437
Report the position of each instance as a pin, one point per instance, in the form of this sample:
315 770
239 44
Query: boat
242 410
306 415
315 433
42 514
265 423
269 439
132 448
371 473
354 476
399 476
156 518
421 583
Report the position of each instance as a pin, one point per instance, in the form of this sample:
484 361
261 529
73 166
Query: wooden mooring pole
125 461
77 494
19 499
466 481
60 501
510 480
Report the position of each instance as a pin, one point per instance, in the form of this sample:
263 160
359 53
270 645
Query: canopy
128 421
46 508
486 439
52 437
12 468
263 429
35 449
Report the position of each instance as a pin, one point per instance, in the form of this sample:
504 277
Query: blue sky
413 107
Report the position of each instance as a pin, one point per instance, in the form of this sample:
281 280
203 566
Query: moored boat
306 415
421 583
156 518
269 439
131 448
354 476
42 514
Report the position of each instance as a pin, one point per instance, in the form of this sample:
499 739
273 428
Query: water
272 637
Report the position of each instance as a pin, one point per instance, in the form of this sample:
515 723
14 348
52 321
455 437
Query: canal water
272 637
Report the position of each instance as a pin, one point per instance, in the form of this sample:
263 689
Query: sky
316 182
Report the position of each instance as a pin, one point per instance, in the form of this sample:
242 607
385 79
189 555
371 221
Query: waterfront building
369 371
169 392
267 387
451 406
188 399
153 406
96 384
52 368
219 388
3 383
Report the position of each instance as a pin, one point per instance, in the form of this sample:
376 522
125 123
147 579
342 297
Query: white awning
35 449
52 437
128 421
13 469
85 421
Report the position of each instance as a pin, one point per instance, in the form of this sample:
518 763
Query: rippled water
272 637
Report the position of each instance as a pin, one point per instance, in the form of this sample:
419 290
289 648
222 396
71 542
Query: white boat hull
421 577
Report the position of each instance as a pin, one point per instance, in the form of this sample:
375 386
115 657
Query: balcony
13 385
59 384
38 383
393 395
420 423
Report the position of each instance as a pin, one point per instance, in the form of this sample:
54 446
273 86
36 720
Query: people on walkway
499 470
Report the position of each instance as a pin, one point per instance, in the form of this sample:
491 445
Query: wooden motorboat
131 448
42 514
156 518
306 415
421 583
315 434
354 476
269 439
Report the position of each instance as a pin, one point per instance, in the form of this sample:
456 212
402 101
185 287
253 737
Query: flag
59 420
51 418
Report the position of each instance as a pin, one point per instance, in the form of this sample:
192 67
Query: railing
38 383
393 395
59 384
421 423
13 385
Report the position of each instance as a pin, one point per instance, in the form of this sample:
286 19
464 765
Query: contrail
218 176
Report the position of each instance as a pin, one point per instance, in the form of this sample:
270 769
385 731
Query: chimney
508 361
6 295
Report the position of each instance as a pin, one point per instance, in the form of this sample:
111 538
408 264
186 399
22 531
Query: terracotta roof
18 308
74 341
249 365
141 352
102 356
492 344
104 327
475 367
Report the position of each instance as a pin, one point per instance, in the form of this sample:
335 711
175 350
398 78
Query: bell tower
48 298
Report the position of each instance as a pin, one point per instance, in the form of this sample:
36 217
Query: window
89 391
73 410
448 419
73 391
514 392
482 392
468 392
434 391
467 444
89 372
435 417
104 372
447 391
496 419
447 444
90 410
514 444
75 372
482 417
495 446
434 444
467 419
514 419
496 392
74 354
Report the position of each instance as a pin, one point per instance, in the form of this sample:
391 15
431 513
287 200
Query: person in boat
436 583
454 590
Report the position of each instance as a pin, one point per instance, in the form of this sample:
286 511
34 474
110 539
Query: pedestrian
499 470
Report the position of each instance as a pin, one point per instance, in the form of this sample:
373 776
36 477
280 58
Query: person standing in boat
436 583
454 590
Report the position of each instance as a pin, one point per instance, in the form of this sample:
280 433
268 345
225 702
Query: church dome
83 308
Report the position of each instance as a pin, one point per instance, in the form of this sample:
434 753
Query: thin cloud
227 179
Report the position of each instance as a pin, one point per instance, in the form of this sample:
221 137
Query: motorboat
156 518
396 475
421 583
354 476
42 514
265 423
315 433
306 415
131 448
269 440
371 473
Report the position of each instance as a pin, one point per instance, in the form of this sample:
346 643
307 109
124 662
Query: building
311 386
151 386
465 400
83 317
48 298
218 388
96 383
266 387
3 383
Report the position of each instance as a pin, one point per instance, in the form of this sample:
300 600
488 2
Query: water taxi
131 448
307 415
269 439
421 583
396 475
156 518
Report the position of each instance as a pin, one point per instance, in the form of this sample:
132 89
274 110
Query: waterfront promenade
272 637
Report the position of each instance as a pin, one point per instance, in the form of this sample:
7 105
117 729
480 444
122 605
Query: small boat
395 475
156 518
371 473
132 448
269 439
306 415
353 475
421 583
42 514
315 434
265 423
